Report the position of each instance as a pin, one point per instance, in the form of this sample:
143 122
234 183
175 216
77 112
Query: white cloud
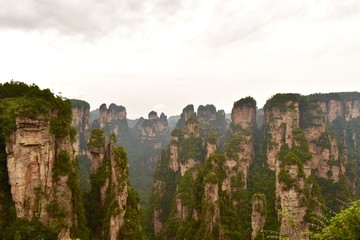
143 54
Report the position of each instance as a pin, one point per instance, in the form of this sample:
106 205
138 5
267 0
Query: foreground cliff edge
40 194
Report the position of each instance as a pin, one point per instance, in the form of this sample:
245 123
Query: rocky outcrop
80 121
239 151
158 225
212 123
212 209
174 154
352 109
282 118
258 216
154 137
110 182
293 210
182 211
323 146
206 113
38 186
302 154
243 113
119 185
97 149
334 105
280 125
210 149
108 115
113 120
195 142
187 112
332 109
191 128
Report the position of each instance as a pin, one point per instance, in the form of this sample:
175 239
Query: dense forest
288 171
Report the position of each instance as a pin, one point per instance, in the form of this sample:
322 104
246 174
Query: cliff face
118 180
288 155
258 216
143 142
110 188
323 145
113 113
33 153
182 158
80 121
37 162
154 137
113 119
280 127
334 151
239 151
309 138
192 173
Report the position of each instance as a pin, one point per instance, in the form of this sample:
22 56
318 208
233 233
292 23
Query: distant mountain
132 122
94 114
172 120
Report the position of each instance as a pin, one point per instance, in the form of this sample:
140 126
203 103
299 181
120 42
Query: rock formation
41 169
280 124
111 114
308 138
239 151
288 155
33 155
191 160
258 216
214 180
113 119
154 137
110 187
80 121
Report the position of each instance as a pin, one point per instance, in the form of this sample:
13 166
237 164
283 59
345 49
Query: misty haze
182 119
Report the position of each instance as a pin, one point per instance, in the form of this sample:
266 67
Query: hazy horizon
163 54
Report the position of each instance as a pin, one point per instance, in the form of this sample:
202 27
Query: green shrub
97 138
62 164
343 226
245 102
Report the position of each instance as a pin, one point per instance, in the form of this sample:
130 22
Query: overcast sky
164 54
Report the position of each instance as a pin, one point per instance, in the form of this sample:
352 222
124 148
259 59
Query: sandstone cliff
288 155
113 113
154 137
80 121
113 119
239 151
41 169
37 182
110 188
193 143
258 216
308 138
